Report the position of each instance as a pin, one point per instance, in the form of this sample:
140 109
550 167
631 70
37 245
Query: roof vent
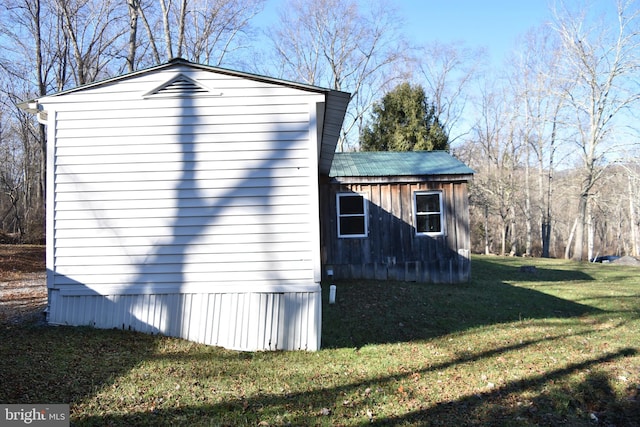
180 86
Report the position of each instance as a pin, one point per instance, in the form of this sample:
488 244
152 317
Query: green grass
555 347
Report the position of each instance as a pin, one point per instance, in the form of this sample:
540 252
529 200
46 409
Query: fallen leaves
23 292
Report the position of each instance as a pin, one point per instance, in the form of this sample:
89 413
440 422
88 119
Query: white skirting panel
249 321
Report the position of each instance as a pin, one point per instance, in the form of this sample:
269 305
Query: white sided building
183 200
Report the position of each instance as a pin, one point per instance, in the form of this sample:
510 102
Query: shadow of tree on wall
186 263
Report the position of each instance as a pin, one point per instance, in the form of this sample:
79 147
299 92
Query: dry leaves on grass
23 292
23 298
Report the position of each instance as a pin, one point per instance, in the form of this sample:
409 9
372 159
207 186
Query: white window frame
440 195
365 214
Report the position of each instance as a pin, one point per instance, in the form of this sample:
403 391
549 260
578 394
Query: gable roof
335 105
395 163
181 61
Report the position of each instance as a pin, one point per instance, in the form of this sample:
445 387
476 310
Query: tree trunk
527 208
487 249
578 247
167 29
632 221
503 237
567 249
181 24
41 130
150 34
590 232
546 222
134 6
513 238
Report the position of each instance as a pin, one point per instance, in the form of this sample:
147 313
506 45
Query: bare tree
498 151
344 45
50 45
93 28
218 28
628 170
448 71
34 63
152 53
600 61
204 31
533 77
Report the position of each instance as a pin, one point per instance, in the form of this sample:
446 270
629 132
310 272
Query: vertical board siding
186 192
242 321
393 251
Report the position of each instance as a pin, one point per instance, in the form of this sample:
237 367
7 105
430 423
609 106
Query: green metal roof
388 163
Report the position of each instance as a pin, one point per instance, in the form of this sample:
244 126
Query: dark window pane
428 224
351 225
427 203
350 205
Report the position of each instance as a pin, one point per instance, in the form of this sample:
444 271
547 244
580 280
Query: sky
493 24
496 25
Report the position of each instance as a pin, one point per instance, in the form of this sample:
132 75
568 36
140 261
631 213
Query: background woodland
552 132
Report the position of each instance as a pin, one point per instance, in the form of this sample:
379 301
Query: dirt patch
627 260
23 291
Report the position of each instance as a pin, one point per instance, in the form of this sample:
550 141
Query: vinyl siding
241 321
174 175
214 193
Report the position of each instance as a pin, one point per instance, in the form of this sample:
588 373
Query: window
352 215
429 218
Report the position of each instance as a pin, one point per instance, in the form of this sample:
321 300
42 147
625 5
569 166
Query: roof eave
335 110
400 179
336 102
180 61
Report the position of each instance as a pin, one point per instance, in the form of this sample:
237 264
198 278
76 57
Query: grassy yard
558 346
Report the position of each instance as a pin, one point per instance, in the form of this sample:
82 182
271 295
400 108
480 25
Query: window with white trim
352 215
428 213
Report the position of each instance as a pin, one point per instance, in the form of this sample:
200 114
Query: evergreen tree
404 120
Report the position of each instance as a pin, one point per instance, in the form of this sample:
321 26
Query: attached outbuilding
183 200
396 215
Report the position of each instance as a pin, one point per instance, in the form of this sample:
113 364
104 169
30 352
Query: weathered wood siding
210 190
392 249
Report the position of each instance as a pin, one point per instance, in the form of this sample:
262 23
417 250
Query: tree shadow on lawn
508 269
354 403
94 359
63 364
374 312
87 361
365 313
591 401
